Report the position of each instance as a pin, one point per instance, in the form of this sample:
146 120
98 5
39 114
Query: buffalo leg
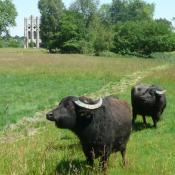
90 161
144 121
104 161
104 157
134 117
123 153
90 155
154 121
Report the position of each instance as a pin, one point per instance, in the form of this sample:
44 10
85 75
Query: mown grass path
126 82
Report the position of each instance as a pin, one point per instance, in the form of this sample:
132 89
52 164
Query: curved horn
88 106
160 92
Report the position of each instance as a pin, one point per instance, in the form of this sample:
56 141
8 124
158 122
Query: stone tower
32 32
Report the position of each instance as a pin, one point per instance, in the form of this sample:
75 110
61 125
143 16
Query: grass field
32 82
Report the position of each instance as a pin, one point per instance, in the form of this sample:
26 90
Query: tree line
122 26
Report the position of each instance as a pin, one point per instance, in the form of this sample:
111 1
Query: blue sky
25 8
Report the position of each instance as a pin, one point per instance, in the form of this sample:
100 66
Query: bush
14 43
86 47
32 44
10 42
71 46
107 54
143 38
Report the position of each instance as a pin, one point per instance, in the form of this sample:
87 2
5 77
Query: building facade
32 32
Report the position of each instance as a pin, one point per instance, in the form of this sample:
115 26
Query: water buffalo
103 126
148 100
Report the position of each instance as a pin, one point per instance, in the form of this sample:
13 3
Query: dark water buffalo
148 100
103 126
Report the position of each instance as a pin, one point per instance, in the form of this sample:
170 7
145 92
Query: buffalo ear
87 114
83 113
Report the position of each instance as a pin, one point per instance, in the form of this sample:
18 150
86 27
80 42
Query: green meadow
33 81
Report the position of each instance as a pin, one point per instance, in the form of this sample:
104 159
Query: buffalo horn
88 106
160 92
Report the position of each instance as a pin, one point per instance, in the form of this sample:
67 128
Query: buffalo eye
139 89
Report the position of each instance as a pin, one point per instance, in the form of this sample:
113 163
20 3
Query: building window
29 34
35 34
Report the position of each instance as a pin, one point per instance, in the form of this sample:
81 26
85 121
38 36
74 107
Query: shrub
143 38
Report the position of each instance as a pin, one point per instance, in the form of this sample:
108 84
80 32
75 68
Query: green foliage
107 54
124 26
103 39
51 12
88 8
104 13
71 46
13 42
128 10
72 29
140 10
87 47
32 44
7 15
143 37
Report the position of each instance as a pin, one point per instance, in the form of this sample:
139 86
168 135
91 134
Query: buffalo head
65 114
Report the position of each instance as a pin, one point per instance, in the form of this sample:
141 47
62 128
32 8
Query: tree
104 13
51 13
166 25
8 15
103 40
143 37
129 10
173 23
87 8
71 33
119 11
140 10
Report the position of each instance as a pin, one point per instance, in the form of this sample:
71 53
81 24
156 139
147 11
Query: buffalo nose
49 116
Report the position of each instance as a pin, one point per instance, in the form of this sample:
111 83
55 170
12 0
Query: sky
26 8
